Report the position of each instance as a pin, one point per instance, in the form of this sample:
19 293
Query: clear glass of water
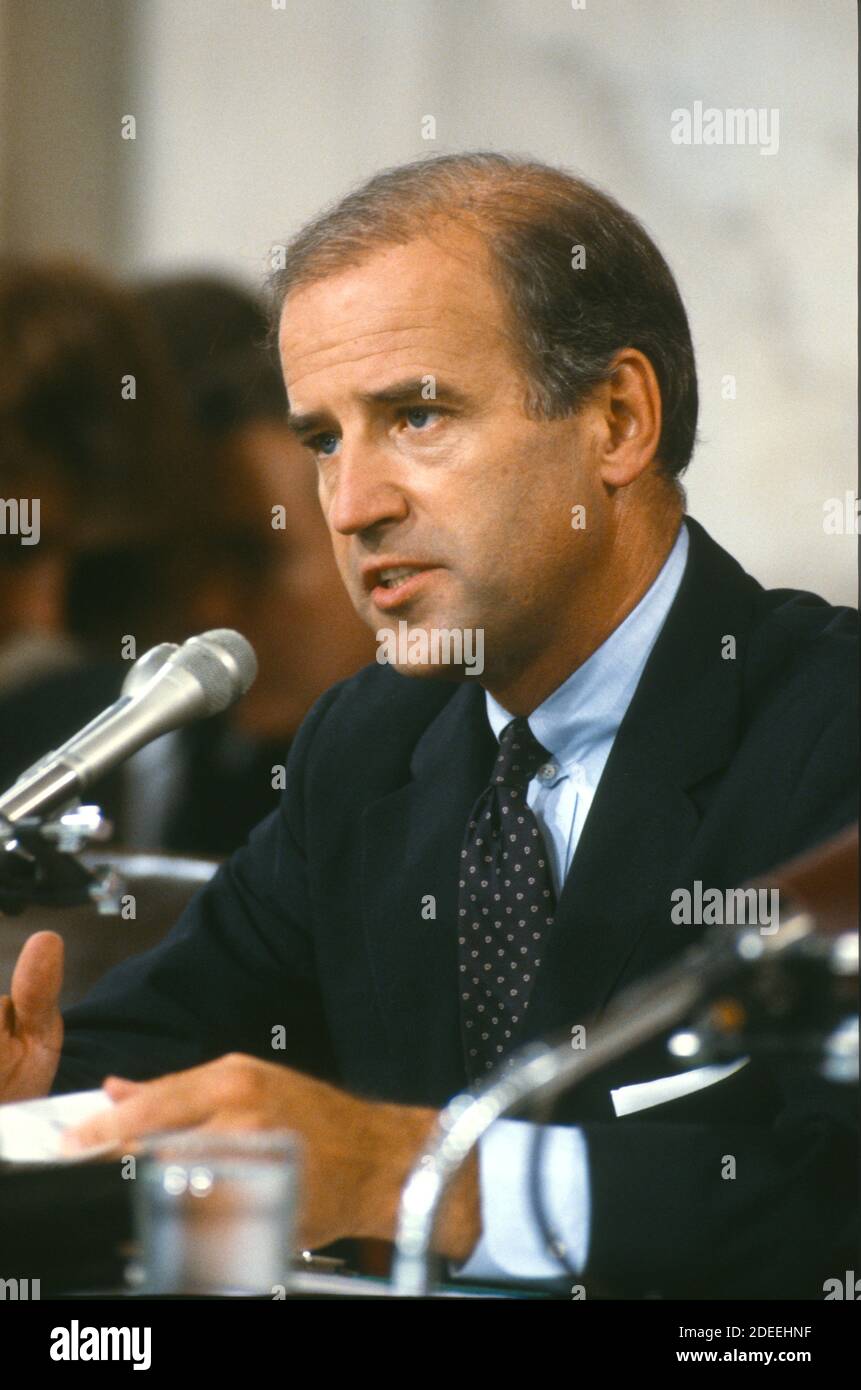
215 1213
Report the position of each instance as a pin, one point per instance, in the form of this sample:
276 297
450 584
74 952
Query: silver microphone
139 675
202 677
143 670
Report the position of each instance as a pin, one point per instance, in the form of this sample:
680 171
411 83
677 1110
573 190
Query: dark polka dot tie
506 904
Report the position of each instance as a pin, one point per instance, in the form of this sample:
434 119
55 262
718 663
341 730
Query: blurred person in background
275 579
93 441
173 499
278 581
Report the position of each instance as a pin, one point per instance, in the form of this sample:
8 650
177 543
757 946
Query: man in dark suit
460 865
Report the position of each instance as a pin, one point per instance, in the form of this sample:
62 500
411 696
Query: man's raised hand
31 1025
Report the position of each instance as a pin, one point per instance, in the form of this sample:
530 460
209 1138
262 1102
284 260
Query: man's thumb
37 981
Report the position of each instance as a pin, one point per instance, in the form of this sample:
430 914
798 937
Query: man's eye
420 415
324 444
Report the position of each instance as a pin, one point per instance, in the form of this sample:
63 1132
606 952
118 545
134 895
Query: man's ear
630 408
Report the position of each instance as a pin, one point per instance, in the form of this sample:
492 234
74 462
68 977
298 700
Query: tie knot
520 756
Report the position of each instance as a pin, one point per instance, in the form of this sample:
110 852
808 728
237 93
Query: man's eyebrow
412 389
303 424
416 388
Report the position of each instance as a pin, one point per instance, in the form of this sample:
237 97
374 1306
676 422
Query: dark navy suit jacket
722 768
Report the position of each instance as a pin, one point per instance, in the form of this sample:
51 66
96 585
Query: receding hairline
481 194
452 237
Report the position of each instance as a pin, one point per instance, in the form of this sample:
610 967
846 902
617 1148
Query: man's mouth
392 585
391 578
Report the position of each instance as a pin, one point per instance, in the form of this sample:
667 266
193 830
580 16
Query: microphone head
236 652
222 663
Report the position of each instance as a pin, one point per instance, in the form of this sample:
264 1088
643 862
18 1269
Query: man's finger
36 983
119 1088
178 1101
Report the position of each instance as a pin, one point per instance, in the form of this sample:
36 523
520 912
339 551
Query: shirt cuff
512 1247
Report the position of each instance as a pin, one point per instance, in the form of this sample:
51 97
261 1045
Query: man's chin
430 672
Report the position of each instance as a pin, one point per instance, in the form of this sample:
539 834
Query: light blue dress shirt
577 724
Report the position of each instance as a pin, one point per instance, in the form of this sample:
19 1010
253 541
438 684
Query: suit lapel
681 726
412 840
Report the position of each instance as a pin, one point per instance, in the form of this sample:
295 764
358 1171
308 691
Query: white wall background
250 117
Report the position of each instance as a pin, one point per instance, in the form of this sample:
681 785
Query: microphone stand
542 1071
38 865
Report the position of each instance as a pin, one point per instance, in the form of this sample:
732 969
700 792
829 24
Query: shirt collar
582 716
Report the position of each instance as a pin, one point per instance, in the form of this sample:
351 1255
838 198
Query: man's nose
364 492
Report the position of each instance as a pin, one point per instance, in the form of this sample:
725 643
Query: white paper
30 1130
644 1094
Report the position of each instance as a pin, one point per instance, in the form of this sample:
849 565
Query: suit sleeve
696 1211
684 1208
652 1206
235 974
